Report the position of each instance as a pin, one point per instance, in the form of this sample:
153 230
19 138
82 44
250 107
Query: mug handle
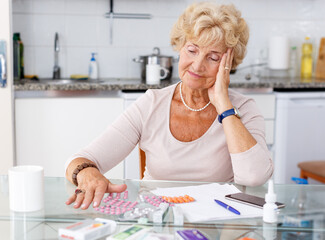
166 71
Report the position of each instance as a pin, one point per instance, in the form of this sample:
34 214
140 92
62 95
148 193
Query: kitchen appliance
156 58
299 132
320 67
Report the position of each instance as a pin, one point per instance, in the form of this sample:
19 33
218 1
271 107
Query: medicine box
133 232
88 229
189 234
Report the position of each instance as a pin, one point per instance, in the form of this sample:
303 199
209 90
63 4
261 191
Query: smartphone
250 200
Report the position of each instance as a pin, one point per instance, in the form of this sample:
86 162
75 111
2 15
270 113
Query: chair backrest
142 162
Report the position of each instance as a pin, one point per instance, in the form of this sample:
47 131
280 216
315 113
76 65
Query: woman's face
198 65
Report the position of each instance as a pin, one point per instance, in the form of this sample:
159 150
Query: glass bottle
16 57
306 59
21 53
293 62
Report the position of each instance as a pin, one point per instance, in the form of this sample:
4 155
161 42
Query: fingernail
75 204
83 205
95 204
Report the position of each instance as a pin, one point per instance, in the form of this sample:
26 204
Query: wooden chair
313 169
142 162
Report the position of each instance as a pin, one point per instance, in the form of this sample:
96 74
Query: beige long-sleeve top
205 159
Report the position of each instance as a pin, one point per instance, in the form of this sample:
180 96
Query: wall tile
112 62
81 30
44 28
44 61
318 11
23 24
78 59
22 6
121 34
48 7
29 60
83 7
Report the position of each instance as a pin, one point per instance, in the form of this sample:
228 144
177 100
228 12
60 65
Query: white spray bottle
270 208
93 67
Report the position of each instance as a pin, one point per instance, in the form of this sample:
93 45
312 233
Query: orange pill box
180 199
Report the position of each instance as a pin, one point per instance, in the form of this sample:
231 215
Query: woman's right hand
93 186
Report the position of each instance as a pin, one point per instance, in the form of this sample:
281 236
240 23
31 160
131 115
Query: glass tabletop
303 215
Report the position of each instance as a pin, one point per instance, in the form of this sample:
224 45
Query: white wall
83 29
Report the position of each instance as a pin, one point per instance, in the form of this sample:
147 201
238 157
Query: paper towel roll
279 53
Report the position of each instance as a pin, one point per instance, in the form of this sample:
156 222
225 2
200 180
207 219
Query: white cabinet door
50 130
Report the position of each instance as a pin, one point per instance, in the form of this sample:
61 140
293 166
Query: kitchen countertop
281 84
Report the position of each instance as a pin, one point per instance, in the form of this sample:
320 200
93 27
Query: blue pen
231 209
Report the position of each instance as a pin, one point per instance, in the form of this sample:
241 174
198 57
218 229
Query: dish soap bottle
93 67
307 59
269 208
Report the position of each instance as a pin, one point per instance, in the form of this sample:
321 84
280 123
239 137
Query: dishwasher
299 132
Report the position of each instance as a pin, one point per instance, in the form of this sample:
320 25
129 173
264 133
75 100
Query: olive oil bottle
307 59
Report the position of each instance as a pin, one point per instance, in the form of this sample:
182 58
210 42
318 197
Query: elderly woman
196 130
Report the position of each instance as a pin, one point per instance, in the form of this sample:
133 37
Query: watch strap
227 113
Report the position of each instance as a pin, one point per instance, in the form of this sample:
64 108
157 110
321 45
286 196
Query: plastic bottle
307 59
269 208
293 62
93 67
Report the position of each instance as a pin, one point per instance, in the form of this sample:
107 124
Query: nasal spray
269 208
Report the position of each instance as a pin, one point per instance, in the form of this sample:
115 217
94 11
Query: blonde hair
207 24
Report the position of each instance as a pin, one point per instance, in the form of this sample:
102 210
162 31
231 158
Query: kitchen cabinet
50 130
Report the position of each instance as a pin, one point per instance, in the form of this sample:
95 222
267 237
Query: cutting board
320 67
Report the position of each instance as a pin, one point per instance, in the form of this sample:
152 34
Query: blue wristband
229 112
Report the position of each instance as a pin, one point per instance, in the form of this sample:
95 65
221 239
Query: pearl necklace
192 109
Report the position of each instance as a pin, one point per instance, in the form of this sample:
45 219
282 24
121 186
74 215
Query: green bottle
21 51
17 58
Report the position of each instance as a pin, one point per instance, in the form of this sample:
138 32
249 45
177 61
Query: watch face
237 113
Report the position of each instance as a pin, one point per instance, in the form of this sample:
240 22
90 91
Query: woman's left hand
218 93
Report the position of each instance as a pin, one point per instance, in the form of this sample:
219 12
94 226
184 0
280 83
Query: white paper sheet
205 208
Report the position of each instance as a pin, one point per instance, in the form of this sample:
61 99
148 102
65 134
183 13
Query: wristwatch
232 111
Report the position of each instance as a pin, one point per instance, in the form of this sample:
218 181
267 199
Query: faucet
56 68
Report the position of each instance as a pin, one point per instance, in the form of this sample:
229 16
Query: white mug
26 188
153 73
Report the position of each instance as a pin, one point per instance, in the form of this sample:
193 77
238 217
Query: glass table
302 218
